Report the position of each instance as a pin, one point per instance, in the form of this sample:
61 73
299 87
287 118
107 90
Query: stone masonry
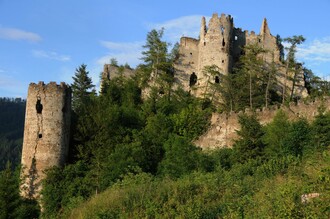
46 133
221 44
223 130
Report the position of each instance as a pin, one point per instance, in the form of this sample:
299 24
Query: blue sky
45 40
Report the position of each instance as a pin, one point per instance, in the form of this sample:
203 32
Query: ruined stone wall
222 132
221 44
215 49
188 60
111 72
46 133
239 41
269 43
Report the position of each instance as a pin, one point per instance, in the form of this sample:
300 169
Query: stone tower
215 43
220 43
46 133
214 47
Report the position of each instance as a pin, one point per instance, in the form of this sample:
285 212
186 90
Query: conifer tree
249 145
81 88
290 61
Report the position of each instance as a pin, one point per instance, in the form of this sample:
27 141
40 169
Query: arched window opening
193 79
223 42
217 80
39 106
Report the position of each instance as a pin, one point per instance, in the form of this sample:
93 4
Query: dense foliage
12 114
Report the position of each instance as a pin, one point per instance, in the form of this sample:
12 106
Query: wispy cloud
130 52
182 26
17 34
317 51
124 52
51 55
11 87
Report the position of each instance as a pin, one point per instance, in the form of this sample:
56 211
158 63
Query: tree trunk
250 89
293 83
285 80
267 89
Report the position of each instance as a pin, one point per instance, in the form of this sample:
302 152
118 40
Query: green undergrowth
255 189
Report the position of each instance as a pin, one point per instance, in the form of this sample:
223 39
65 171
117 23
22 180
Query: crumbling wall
215 49
111 71
221 44
46 133
187 62
222 132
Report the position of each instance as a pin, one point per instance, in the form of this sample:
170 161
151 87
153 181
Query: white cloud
317 51
129 52
182 26
51 55
17 34
11 87
134 46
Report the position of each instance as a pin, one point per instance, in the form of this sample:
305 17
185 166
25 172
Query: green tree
270 81
180 157
159 62
11 204
276 133
299 138
9 197
211 88
249 145
81 88
155 54
321 129
251 65
114 62
316 87
290 62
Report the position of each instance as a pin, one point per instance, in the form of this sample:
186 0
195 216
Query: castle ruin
221 44
46 133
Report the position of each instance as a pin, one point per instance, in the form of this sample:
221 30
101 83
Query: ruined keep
112 71
46 133
221 44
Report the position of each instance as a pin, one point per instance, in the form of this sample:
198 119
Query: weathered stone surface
222 44
222 132
46 133
111 72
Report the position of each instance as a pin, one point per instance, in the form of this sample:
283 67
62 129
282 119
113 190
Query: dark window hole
217 80
192 79
40 135
39 106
